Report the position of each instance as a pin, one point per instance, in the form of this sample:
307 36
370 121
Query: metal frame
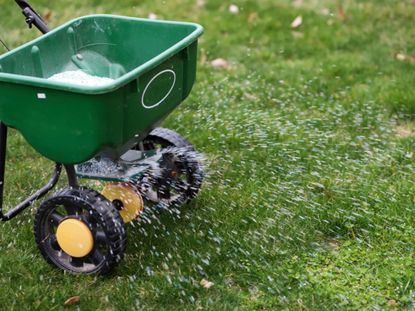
70 171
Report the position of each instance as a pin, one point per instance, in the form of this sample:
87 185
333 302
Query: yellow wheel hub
74 237
125 198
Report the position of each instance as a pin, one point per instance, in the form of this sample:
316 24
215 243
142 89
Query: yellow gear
125 197
74 237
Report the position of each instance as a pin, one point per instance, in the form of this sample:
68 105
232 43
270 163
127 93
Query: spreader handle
32 17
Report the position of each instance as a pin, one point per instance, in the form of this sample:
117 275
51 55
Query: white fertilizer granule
80 78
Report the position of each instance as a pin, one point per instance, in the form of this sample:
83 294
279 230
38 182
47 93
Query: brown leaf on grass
206 284
392 303
325 11
220 63
333 244
251 97
200 3
252 17
403 131
297 3
405 58
297 22
48 16
341 13
72 300
297 34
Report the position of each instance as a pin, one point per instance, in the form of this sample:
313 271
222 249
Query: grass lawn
308 134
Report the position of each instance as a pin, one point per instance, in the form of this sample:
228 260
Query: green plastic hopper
153 64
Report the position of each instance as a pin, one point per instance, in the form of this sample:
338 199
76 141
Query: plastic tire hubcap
74 237
129 200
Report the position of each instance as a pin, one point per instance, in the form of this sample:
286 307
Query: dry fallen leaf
325 11
252 17
72 300
341 13
297 22
206 284
403 131
152 16
297 34
404 57
251 97
297 3
200 3
333 244
233 8
400 56
220 63
392 303
48 16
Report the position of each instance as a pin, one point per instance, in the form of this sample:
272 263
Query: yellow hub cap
125 197
74 237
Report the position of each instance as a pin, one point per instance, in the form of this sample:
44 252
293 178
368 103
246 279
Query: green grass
310 194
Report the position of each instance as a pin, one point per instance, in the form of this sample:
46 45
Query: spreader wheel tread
170 136
101 211
170 142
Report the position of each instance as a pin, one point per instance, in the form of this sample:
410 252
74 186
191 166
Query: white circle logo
164 72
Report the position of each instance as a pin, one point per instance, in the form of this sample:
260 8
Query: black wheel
181 174
163 138
79 231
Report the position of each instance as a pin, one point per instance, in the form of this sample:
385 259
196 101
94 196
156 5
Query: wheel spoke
96 257
56 218
88 218
76 262
54 242
72 210
152 195
164 192
180 185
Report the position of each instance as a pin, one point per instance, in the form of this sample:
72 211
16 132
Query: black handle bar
32 17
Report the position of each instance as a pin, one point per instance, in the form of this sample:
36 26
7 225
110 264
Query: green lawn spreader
105 132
